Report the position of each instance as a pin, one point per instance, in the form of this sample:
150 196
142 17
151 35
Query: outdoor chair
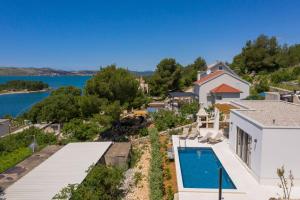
218 138
184 134
193 134
205 138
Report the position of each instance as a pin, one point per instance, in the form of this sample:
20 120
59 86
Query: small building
272 96
4 127
69 165
265 136
219 84
118 154
143 86
177 98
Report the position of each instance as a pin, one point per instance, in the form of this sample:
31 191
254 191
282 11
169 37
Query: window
218 97
220 67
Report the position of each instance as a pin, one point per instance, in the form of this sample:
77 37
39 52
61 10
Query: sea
16 104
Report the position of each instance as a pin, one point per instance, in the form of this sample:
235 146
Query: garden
15 148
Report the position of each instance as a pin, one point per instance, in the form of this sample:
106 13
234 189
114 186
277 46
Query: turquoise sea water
15 104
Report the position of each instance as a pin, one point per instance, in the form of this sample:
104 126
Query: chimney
198 75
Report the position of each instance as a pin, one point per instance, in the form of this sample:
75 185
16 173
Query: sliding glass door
243 146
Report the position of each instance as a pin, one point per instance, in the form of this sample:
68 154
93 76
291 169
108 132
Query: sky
83 35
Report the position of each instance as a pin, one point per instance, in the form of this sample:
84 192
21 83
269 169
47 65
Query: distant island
22 86
31 71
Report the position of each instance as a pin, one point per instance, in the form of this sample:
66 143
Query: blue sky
137 34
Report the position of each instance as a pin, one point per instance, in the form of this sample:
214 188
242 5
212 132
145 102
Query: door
243 146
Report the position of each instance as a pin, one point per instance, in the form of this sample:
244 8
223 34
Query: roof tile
224 88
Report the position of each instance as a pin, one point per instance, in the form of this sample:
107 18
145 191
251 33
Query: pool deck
247 186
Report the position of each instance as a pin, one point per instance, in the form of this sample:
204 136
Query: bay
15 104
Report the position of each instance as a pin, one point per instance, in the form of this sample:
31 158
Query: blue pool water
200 169
15 104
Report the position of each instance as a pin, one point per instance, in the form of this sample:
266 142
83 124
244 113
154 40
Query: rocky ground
137 178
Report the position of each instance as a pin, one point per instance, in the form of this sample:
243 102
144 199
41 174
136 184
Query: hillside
31 71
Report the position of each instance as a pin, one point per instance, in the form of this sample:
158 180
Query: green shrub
170 193
137 177
168 174
155 174
77 129
135 157
165 119
262 85
101 183
143 132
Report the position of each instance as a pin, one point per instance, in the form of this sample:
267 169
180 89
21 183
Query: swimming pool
200 169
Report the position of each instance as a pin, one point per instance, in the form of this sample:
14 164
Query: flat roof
182 94
4 120
67 166
119 149
270 112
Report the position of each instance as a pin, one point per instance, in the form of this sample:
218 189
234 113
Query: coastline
24 92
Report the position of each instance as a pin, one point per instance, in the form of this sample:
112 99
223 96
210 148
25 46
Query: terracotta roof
224 88
210 76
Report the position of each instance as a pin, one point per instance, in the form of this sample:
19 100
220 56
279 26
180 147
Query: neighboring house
265 136
215 67
143 86
176 98
4 127
220 85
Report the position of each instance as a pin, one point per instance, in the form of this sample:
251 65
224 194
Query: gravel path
141 190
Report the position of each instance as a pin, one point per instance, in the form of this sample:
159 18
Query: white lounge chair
218 138
185 133
205 138
194 134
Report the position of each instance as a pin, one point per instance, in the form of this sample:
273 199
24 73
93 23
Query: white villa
220 84
265 135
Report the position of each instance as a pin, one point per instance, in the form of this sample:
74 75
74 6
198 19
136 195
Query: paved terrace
247 187
270 113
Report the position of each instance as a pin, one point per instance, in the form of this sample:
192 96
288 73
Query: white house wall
256 148
205 88
280 147
227 97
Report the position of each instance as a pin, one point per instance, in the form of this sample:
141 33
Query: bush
168 174
143 132
77 129
138 177
262 85
155 174
101 183
165 119
135 157
170 193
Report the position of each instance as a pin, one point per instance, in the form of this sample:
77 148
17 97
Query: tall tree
166 77
189 73
258 55
114 84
